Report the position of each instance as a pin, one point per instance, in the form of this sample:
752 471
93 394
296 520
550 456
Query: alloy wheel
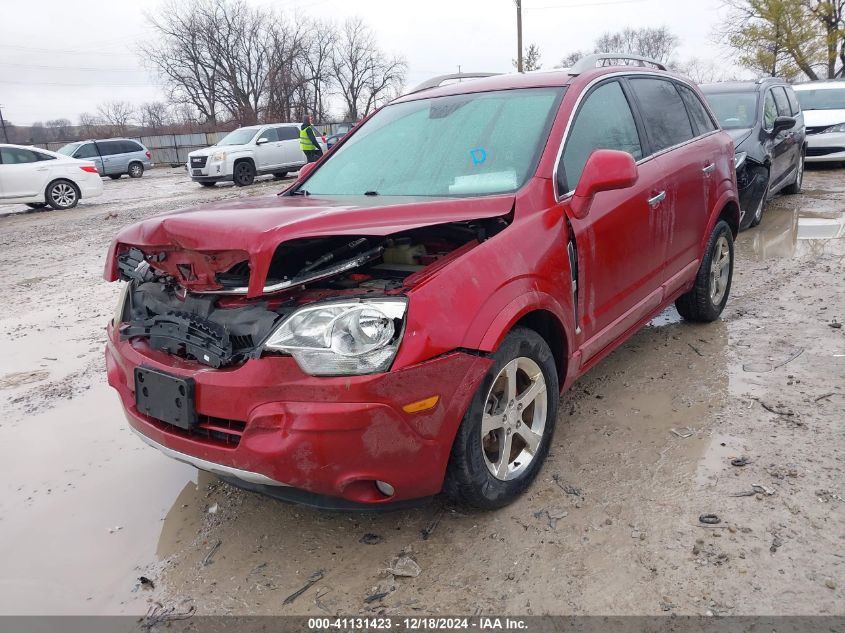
514 418
720 270
135 170
64 195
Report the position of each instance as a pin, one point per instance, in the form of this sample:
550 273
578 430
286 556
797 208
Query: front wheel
244 173
506 432
62 195
708 296
280 174
115 176
36 205
208 184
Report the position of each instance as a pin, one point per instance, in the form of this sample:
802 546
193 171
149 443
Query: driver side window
269 134
770 111
604 121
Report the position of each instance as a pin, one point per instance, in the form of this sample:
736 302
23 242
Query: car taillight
89 168
148 154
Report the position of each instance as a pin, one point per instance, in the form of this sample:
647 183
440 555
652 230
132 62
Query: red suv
403 318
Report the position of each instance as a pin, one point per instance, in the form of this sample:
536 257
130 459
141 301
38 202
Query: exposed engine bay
221 327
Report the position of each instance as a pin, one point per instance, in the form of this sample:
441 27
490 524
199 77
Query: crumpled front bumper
333 437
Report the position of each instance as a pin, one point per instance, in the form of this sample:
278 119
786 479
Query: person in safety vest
308 141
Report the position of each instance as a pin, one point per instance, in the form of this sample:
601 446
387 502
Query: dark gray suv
767 126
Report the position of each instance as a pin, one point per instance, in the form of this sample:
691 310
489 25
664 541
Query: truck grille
198 161
215 431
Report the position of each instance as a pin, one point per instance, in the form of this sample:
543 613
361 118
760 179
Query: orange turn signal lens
421 405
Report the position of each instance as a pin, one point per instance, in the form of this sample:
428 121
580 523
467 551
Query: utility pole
519 36
3 124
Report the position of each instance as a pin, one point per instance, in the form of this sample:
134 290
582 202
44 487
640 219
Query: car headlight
218 156
739 159
342 338
839 127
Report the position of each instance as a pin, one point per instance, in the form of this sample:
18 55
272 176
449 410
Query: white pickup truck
248 152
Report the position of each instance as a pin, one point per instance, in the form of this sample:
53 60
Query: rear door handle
709 169
656 200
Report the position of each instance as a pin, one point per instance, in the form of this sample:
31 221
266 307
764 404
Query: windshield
735 110
238 137
68 149
462 145
831 99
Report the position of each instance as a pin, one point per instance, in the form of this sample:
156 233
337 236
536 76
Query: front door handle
709 169
656 200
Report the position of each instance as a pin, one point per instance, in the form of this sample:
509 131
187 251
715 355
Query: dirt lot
610 527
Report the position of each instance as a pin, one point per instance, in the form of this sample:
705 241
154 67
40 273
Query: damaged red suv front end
209 374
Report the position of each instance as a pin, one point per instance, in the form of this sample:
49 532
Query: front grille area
824 151
215 431
198 161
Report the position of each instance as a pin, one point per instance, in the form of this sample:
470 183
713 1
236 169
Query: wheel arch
730 214
549 327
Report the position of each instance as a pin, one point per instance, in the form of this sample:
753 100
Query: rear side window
664 113
697 112
770 111
41 156
89 150
131 146
268 135
794 106
17 156
604 121
287 133
781 101
109 148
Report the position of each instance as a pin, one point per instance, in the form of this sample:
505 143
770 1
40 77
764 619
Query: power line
64 51
79 84
84 68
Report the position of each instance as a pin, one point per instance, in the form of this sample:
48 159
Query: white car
38 178
248 152
823 103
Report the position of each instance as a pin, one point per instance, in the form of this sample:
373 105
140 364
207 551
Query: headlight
121 305
739 159
342 338
218 156
840 127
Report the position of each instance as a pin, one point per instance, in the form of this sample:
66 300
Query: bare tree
568 60
155 115
181 54
531 59
364 75
118 115
657 43
704 71
317 65
288 66
90 125
37 132
59 129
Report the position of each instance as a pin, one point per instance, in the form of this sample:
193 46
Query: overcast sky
60 58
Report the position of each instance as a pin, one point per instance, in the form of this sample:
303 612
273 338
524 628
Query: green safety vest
305 142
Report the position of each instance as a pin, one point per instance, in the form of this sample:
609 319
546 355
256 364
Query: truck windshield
461 145
829 99
735 110
238 137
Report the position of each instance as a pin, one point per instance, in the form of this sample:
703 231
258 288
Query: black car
767 126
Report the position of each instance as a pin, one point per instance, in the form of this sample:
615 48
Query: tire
208 184
62 195
761 206
36 205
244 173
708 296
280 174
796 186
470 477
136 170
115 176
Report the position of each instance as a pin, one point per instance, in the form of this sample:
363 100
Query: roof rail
591 61
434 82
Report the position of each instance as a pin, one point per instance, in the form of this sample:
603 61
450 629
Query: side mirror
606 170
261 141
783 123
306 169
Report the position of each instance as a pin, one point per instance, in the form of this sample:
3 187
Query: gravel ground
643 448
